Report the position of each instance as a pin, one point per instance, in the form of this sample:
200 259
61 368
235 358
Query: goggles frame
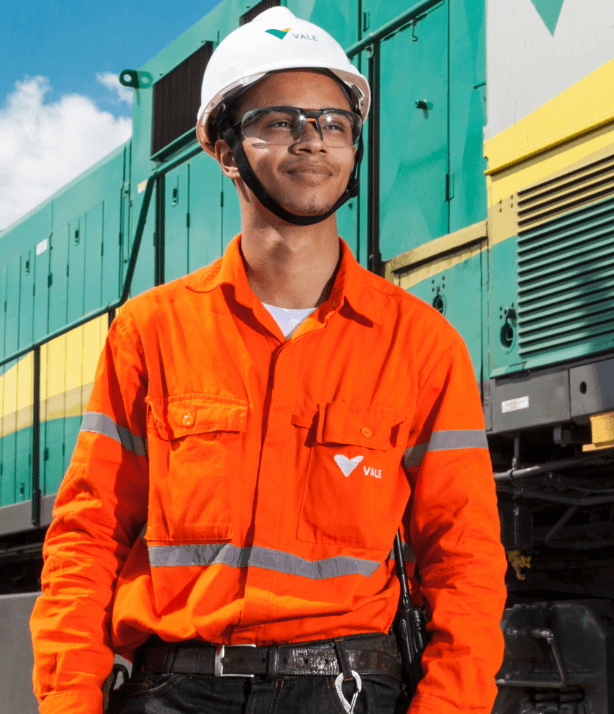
303 116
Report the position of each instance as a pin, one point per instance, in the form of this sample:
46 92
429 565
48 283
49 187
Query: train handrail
390 26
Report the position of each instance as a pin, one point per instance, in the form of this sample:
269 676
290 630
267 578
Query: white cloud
44 145
111 81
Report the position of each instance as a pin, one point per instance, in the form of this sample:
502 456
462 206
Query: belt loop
344 665
272 662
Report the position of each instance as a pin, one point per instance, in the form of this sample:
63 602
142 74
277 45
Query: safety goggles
284 126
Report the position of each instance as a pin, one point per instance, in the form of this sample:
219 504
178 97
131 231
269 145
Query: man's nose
312 135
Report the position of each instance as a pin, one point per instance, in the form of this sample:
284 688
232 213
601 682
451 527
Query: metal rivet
187 420
366 432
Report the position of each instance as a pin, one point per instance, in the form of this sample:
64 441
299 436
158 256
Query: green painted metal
413 160
205 233
457 293
467 111
566 283
549 11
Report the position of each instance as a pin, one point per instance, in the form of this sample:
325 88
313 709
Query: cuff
80 701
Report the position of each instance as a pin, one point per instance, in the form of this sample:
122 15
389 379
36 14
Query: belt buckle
218 666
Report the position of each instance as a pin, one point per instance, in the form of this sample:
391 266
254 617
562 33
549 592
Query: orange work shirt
237 487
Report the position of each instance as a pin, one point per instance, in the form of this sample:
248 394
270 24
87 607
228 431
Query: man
257 433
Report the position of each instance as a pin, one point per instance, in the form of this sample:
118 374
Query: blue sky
58 89
71 41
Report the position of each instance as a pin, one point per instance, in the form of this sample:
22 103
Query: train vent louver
257 9
566 262
177 98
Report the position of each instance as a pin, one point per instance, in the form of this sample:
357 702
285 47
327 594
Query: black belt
365 654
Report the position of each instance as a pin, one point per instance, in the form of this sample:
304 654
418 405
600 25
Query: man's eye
278 123
334 128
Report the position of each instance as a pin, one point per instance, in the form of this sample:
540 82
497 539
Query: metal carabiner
349 708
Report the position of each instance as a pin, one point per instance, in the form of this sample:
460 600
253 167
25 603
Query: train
487 190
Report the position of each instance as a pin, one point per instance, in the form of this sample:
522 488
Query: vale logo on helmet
280 34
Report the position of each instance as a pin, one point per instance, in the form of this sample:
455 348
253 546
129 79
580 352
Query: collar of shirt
353 284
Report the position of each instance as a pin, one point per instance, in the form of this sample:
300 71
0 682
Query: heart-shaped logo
347 465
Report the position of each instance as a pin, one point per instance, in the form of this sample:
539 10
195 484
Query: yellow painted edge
59 406
559 160
549 144
580 109
444 262
444 244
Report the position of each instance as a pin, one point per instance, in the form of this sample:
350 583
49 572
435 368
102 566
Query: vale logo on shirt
348 465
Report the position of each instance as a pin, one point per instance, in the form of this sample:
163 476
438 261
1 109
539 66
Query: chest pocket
355 491
194 452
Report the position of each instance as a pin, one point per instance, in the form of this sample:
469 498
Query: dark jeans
196 694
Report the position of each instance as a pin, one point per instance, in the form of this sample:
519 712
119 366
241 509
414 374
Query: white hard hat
275 40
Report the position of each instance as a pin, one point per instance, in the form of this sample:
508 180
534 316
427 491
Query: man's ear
226 160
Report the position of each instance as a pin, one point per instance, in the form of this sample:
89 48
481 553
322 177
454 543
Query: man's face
308 176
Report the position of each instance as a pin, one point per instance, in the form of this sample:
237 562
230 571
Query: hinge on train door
67 269
187 220
449 186
222 199
50 280
46 453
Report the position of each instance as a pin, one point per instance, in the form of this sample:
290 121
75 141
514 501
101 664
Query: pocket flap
175 417
375 428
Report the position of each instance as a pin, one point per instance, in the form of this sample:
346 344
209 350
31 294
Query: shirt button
187 420
366 432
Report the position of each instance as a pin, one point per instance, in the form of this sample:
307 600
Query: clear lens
285 125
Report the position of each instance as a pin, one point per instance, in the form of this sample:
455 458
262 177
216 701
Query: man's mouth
315 171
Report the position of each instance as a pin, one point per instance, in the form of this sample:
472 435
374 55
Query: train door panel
13 295
94 222
231 212
9 426
55 375
75 270
58 286
176 207
144 273
2 312
24 423
41 288
74 391
26 300
205 232
456 293
110 249
467 63
413 134
43 418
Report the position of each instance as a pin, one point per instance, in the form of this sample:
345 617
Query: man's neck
290 266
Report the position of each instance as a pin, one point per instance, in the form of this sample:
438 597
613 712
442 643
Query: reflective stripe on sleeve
445 441
408 553
103 424
165 556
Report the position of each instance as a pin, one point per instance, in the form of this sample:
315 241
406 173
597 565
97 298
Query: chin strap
251 180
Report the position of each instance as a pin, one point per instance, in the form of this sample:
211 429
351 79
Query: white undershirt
288 319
